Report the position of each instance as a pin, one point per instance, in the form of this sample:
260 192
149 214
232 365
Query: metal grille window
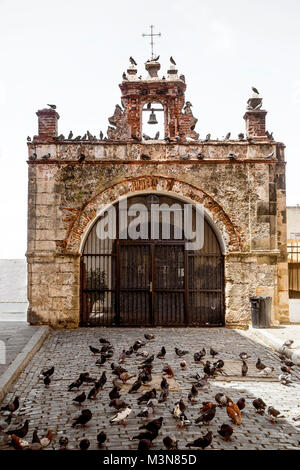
293 249
152 281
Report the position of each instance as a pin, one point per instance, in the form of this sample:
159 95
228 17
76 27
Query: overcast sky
72 53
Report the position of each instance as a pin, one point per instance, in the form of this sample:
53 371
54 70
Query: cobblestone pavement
68 351
15 336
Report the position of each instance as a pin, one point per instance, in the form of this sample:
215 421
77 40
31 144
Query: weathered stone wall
244 197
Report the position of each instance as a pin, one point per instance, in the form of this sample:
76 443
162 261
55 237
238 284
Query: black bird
244 369
135 386
104 341
255 90
46 157
164 384
161 353
114 393
124 76
146 435
259 405
225 431
48 372
148 360
207 416
153 425
172 61
63 442
200 156
101 438
83 419
170 442
20 432
84 444
47 381
163 395
227 137
81 157
260 365
201 442
145 157
70 136
231 156
52 106
80 398
241 136
101 135
28 139
75 384
212 352
101 361
94 350
132 61
193 393
241 403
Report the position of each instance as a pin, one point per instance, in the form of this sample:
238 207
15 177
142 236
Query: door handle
150 286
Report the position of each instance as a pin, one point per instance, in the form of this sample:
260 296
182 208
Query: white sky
73 52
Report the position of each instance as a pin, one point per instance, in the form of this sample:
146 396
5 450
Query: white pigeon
121 416
285 379
266 371
176 411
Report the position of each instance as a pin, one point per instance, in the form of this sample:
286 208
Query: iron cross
152 42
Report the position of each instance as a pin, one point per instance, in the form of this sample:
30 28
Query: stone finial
47 122
132 72
172 72
152 67
255 117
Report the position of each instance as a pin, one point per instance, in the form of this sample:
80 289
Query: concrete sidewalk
276 336
18 343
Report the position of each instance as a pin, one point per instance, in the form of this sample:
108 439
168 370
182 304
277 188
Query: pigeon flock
149 402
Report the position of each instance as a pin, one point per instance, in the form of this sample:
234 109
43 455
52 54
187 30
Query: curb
269 340
22 359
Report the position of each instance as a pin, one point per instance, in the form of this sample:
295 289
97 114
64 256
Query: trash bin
261 311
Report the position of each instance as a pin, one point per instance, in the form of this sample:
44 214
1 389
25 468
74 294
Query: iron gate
151 282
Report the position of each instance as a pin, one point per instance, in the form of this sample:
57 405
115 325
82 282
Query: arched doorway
152 280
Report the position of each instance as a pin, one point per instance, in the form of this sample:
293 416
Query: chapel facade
77 278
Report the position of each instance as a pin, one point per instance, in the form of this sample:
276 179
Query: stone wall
244 197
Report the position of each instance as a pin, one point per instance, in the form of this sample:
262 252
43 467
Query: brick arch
81 220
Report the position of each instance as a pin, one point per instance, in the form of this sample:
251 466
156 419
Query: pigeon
183 365
46 157
104 341
207 416
156 58
170 442
121 416
114 393
4 423
164 384
266 371
207 138
46 439
101 135
244 369
63 442
101 438
241 403
163 396
149 337
77 138
288 343
19 443
172 61
273 412
168 371
285 379
135 386
70 136
28 138
180 352
200 156
221 399
185 157
145 157
212 352
156 137
193 393
201 442
117 404
161 353
147 396
144 413
225 431
227 137
101 361
80 398
12 406
33 157
241 136
75 384
182 77
52 106
132 61
244 356
231 156
259 405
83 419
153 425
234 412
148 435
124 76
94 350
47 381
255 90
84 444
80 159
20 432
260 365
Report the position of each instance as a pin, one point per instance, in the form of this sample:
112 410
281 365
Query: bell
152 118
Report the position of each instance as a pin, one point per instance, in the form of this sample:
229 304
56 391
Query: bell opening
153 126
